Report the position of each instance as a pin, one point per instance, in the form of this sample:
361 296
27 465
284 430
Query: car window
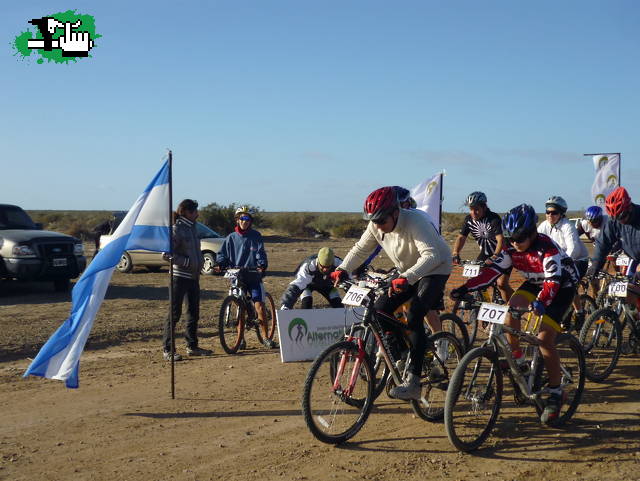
205 232
12 217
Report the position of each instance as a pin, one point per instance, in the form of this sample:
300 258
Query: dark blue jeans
191 289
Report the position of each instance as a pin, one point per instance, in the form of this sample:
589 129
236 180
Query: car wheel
125 265
209 263
61 285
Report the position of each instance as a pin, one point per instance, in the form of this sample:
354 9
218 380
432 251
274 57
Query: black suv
29 253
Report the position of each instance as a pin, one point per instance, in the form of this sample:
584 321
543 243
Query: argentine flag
146 226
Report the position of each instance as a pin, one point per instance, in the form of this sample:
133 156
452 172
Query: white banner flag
428 195
607 177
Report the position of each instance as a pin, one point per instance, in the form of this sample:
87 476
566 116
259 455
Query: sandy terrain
238 417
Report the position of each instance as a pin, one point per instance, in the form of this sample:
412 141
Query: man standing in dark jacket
313 275
187 262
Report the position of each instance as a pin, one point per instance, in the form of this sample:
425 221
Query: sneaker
552 408
271 344
409 389
167 356
197 351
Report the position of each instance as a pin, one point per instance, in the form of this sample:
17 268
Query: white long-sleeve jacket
565 234
414 246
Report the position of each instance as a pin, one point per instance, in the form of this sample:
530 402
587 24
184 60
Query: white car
210 244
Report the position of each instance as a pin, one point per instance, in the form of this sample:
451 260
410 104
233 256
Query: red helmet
380 203
618 201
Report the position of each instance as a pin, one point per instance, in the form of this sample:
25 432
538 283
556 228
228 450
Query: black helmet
476 198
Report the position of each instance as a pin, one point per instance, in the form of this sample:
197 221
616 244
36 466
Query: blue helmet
519 222
593 214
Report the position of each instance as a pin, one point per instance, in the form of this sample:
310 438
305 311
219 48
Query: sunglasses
245 217
380 221
552 212
519 239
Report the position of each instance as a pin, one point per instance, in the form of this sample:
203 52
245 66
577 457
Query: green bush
295 224
221 218
349 228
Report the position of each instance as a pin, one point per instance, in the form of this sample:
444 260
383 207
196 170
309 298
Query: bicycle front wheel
601 339
266 329
440 361
572 368
231 324
338 393
473 399
380 369
456 326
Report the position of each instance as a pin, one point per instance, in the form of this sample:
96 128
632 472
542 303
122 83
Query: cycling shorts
256 288
555 311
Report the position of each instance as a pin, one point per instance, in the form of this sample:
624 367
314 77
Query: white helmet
557 202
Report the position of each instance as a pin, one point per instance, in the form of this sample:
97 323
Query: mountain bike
602 335
468 312
475 392
238 314
340 387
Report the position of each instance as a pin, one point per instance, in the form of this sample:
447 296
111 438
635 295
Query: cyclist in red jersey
551 279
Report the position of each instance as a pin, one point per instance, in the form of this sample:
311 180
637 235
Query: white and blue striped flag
146 226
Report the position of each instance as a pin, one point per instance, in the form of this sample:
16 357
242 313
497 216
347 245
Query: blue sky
300 105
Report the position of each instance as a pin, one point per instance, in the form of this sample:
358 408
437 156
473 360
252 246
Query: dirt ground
238 417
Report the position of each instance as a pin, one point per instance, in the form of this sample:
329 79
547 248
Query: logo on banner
602 162
59 37
301 329
432 185
612 181
600 200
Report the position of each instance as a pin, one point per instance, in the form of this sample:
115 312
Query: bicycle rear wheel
456 326
572 367
338 393
601 339
231 324
440 361
473 399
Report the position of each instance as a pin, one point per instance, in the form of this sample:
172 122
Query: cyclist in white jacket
564 233
423 260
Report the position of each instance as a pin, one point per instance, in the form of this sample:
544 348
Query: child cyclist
244 248
548 290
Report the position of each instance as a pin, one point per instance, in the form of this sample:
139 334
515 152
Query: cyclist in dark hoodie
244 248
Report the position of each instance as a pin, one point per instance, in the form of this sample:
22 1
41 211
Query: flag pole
441 198
171 320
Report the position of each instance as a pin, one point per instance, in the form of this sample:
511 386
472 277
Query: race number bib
355 296
622 261
231 273
470 270
618 289
495 313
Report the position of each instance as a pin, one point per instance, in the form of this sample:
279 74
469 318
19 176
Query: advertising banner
607 178
428 196
305 333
